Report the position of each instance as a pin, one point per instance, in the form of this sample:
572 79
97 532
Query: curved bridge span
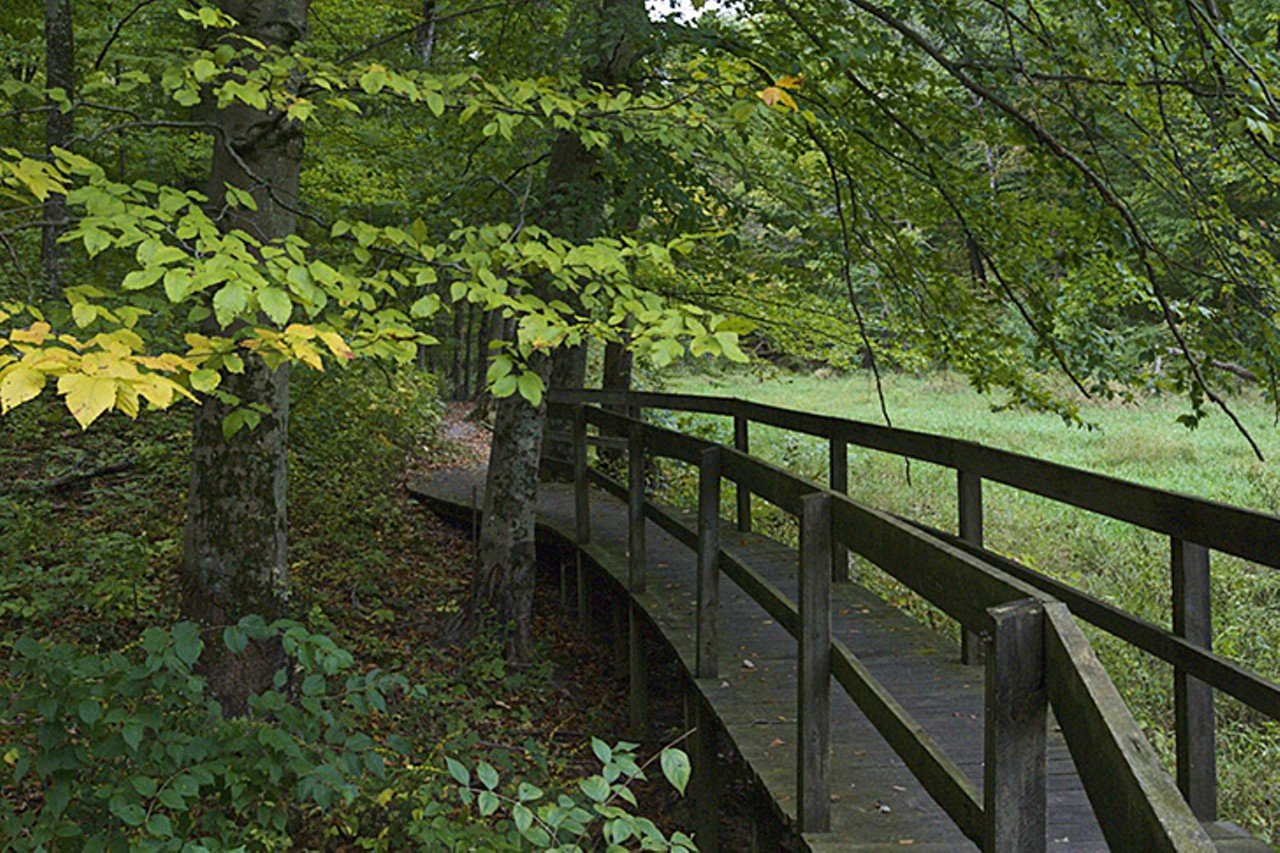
866 729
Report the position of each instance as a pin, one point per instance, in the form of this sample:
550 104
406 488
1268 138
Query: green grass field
1114 561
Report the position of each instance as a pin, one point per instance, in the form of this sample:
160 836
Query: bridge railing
1195 527
1034 651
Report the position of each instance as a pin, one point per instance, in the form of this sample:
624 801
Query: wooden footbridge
865 729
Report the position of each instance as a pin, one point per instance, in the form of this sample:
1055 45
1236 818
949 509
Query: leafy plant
129 748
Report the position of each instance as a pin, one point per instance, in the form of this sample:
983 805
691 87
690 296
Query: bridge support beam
1194 722
813 749
706 787
637 681
1014 783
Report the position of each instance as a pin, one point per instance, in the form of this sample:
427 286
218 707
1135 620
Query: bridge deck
876 801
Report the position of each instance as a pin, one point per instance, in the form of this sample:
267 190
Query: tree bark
60 73
502 587
234 556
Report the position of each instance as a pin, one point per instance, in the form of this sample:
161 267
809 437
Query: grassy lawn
1114 561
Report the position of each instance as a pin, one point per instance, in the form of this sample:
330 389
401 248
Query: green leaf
487 775
90 711
596 788
276 304
675 766
205 380
144 785
602 750
460 774
230 301
523 818
132 734
530 385
187 643
131 813
487 803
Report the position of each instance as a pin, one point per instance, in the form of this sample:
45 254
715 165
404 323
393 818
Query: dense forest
250 248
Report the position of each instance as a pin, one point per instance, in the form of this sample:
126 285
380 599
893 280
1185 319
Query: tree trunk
573 207
60 73
234 560
502 587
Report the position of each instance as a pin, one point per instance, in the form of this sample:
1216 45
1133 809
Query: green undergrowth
109 739
1111 560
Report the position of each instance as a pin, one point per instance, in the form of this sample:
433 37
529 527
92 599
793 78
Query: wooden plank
969 502
708 595
1137 803
742 443
927 760
1015 730
813 698
838 481
635 506
1194 722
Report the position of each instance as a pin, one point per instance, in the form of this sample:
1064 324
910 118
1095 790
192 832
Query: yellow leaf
127 400
308 355
790 82
157 390
384 797
774 96
33 334
337 345
18 385
87 397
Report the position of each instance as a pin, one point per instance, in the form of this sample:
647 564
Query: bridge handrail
1028 648
1194 526
1241 532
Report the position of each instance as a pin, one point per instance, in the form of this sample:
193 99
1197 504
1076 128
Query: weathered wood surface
876 802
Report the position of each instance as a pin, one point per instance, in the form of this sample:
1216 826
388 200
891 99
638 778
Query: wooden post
581 483
705 778
708 603
969 499
1014 773
742 443
638 696
838 479
635 507
1194 722
813 751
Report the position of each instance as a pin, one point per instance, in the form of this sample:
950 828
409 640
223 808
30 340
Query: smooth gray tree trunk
60 73
234 555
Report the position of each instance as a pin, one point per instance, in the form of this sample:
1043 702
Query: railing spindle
635 506
708 604
969 501
838 473
813 750
742 443
581 484
1014 792
1194 721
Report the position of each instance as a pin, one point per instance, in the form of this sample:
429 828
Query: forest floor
1139 441
90 541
